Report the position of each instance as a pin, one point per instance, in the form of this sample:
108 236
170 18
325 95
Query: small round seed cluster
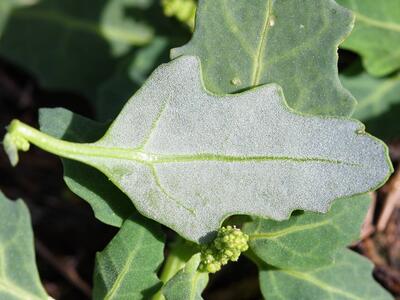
227 246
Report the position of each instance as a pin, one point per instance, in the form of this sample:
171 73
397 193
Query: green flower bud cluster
183 10
227 246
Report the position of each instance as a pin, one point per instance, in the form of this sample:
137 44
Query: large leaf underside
188 158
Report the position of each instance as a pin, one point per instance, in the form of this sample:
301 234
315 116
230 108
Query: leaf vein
261 46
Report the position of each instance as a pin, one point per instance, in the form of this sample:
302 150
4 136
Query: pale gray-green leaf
308 240
376 35
19 278
349 278
189 159
127 268
243 44
188 283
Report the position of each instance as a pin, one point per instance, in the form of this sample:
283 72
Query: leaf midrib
258 59
84 152
126 268
287 231
193 284
153 158
323 285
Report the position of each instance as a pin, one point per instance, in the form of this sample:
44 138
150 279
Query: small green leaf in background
375 96
121 29
90 48
109 204
6 7
19 278
308 240
183 10
242 44
82 35
127 268
378 102
376 35
188 283
349 278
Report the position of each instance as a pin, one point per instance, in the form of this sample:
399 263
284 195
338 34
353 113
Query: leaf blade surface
376 34
87 41
188 283
348 278
191 163
308 240
19 278
127 267
292 43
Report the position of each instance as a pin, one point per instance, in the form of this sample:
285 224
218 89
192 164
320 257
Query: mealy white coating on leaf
207 156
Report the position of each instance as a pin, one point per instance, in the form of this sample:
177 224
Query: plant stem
172 265
78 151
181 251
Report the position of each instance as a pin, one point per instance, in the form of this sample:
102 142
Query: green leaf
188 158
375 96
96 48
308 240
379 102
120 28
6 6
291 43
86 40
349 278
188 283
127 267
109 204
19 278
376 36
183 10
